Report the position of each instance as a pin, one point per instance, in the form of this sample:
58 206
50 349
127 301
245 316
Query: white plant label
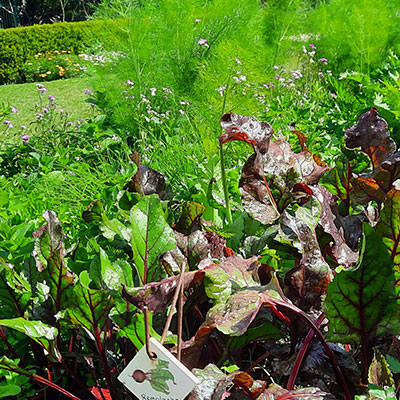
164 378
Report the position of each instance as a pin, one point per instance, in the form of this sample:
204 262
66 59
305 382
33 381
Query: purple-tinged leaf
361 302
276 392
330 223
307 282
373 136
50 236
190 217
379 372
213 383
256 195
146 181
156 295
289 167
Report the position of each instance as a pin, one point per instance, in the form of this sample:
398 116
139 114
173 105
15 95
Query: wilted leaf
249 385
192 348
151 236
361 303
373 136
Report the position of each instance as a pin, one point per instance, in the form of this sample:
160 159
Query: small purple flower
297 74
197 20
25 139
323 60
39 115
45 110
8 123
89 91
312 45
41 89
276 67
130 83
23 127
70 123
13 109
203 42
51 98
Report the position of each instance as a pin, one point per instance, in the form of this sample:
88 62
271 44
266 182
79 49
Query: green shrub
18 45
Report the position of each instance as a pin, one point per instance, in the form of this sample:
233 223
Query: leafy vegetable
361 303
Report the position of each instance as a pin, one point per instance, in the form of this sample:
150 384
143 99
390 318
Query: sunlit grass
69 94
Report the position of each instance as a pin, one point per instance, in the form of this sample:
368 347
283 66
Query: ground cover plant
262 199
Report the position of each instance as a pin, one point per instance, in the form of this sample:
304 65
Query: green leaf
41 333
59 278
9 390
151 236
114 275
89 308
389 227
361 303
394 364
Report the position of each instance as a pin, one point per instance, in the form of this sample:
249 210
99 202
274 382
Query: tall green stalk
221 157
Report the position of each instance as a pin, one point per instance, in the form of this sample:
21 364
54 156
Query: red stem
40 379
318 333
302 353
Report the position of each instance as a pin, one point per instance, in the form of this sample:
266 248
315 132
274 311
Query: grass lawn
69 94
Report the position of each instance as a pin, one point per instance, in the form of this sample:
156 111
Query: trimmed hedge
17 45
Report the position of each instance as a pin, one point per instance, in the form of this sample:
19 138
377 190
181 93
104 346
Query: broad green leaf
15 290
109 228
151 236
9 390
389 227
114 274
394 364
89 308
379 373
58 278
361 303
41 333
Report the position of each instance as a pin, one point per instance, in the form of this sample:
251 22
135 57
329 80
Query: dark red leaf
156 295
373 136
246 129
